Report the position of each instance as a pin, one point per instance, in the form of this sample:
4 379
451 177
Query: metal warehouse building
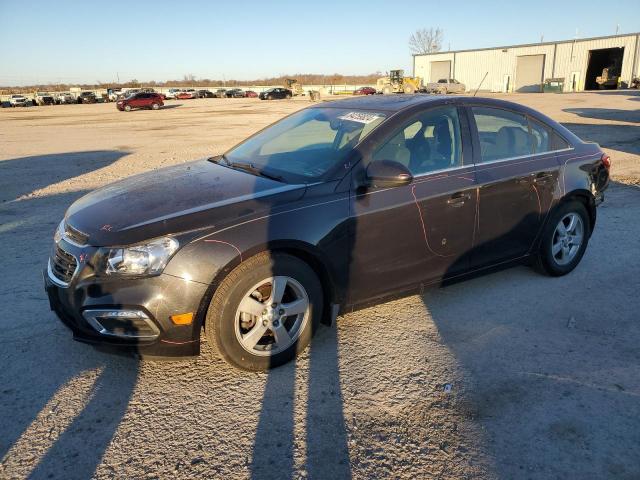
524 68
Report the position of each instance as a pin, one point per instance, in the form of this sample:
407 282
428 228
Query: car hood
192 196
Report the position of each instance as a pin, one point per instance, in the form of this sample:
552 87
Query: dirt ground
511 375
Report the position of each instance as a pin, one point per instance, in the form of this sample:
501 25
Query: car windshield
306 145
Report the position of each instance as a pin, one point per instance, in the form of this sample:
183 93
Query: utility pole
617 28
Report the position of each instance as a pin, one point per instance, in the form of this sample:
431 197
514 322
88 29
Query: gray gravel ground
511 375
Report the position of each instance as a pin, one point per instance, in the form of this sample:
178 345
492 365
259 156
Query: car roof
399 102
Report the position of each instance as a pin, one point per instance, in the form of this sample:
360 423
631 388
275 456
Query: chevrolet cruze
339 205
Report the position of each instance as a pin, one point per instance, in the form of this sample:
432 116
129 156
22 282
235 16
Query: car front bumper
129 314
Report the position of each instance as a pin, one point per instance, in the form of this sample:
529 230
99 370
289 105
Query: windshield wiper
219 159
250 168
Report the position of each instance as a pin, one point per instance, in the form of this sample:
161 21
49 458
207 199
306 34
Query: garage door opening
609 59
440 70
529 73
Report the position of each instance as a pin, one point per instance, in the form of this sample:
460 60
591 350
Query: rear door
517 173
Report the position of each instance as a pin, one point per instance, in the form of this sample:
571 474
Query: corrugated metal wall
562 60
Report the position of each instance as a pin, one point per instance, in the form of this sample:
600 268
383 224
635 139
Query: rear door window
502 133
541 137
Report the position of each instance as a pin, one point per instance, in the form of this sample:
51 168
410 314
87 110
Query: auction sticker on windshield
360 117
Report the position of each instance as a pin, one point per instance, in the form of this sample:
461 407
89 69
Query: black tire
269 97
221 315
155 106
287 96
127 108
545 261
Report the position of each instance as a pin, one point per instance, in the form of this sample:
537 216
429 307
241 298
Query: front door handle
458 199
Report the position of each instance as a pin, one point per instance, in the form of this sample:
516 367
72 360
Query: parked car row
131 97
45 98
188 93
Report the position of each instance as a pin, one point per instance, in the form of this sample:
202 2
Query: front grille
75 236
63 265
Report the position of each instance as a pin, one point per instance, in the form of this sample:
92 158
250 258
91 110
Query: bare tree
426 40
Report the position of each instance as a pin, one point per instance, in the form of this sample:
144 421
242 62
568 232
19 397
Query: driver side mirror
388 173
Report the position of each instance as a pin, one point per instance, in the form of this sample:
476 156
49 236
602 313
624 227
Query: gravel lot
511 375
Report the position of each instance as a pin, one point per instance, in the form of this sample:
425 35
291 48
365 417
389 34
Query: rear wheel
155 106
265 311
408 89
287 96
269 97
564 239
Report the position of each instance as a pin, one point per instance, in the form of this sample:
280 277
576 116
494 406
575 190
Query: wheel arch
306 252
587 199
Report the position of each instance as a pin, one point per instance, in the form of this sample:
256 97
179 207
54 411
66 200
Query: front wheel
564 239
265 311
127 108
287 96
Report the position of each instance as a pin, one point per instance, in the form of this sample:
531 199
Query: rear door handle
458 199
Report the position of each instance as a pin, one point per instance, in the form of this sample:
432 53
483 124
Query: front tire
564 239
127 108
265 311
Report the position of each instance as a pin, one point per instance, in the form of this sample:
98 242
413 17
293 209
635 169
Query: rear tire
229 323
287 96
155 106
408 89
564 239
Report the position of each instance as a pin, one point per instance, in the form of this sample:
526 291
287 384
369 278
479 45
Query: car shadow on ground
625 138
72 396
549 375
632 116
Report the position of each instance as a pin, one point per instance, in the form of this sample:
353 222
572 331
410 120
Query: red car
250 94
186 95
140 100
365 91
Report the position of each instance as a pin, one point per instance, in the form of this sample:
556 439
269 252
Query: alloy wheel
567 238
271 316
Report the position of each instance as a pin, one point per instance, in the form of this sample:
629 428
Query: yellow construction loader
293 85
396 82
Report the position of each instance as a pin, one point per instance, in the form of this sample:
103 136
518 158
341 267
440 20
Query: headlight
146 259
59 232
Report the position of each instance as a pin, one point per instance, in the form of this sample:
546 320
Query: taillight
606 160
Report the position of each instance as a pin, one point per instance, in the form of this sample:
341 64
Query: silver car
446 85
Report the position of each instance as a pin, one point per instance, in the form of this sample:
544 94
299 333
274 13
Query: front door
406 236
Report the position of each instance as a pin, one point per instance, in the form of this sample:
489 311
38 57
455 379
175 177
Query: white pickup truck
44 98
446 85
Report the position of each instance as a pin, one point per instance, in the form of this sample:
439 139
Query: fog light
182 318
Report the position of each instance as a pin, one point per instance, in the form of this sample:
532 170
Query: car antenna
485 76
